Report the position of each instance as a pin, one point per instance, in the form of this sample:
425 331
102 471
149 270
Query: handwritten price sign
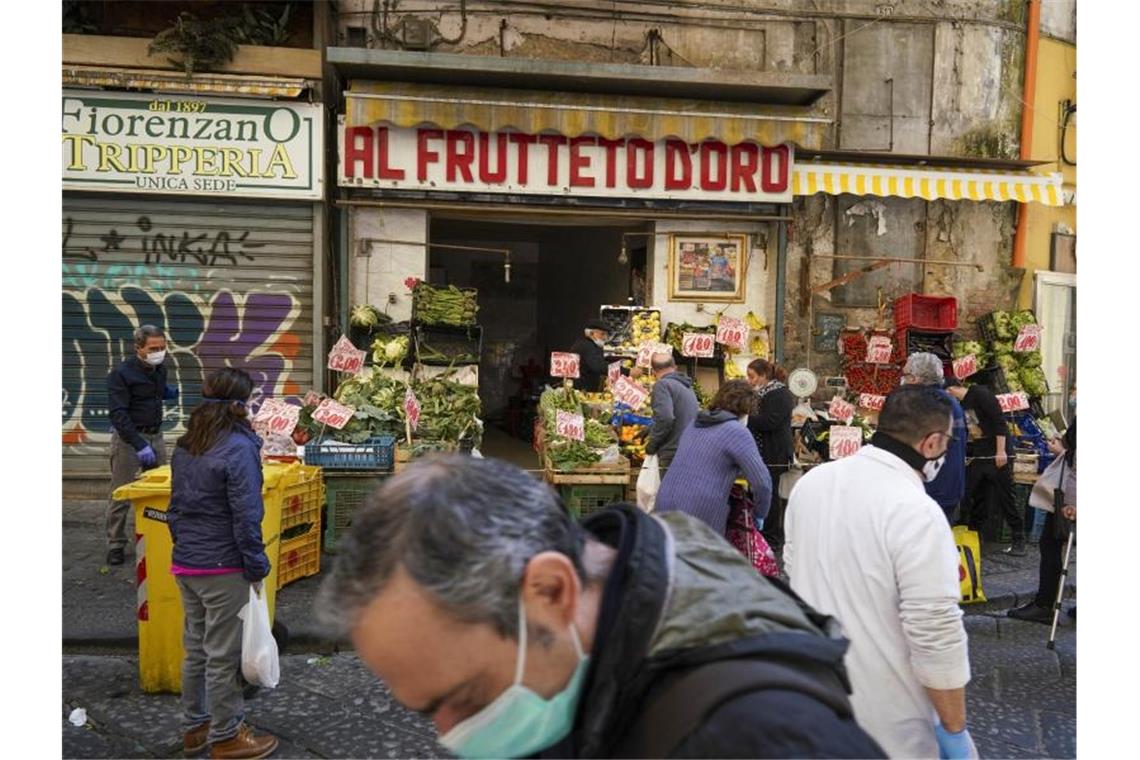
872 401
1013 402
841 409
412 408
345 357
697 344
1028 338
333 414
629 393
613 372
879 349
276 416
312 398
564 364
731 332
965 366
844 440
570 425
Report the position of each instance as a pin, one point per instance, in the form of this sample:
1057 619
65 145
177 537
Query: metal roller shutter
230 283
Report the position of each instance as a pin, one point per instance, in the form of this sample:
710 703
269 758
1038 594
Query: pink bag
741 532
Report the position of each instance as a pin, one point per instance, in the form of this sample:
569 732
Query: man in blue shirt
949 485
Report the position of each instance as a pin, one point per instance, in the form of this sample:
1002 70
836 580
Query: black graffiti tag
200 248
72 252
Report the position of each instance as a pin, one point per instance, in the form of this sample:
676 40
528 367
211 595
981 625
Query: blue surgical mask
519 722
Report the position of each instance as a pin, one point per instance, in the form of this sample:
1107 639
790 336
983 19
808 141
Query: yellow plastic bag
969 564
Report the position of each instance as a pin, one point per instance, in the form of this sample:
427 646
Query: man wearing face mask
468 589
866 544
592 364
135 392
948 486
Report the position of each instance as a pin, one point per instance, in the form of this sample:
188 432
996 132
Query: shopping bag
969 564
1041 497
648 483
259 661
742 533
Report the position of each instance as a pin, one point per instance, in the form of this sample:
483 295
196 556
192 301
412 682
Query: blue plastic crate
378 453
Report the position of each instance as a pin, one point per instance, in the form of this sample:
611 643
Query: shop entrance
561 271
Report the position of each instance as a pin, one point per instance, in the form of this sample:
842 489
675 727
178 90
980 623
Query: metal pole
1061 586
781 283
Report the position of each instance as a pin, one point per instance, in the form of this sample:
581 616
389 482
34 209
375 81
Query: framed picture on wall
708 268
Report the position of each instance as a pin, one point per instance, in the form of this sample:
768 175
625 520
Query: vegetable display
390 351
366 315
1022 369
444 306
566 454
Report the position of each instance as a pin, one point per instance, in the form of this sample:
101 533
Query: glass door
1055 303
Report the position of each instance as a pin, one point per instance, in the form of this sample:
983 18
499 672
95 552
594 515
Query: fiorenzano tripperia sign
124 142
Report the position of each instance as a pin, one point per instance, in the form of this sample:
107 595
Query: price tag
333 414
872 401
570 425
345 357
965 366
629 393
879 349
1028 338
844 440
1013 402
698 344
564 364
614 372
276 416
412 408
312 398
645 353
731 332
841 409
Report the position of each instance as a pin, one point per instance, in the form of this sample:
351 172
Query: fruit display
629 328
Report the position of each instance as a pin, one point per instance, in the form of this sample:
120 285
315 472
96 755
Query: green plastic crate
345 492
581 500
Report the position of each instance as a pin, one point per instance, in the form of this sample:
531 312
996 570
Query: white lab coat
866 544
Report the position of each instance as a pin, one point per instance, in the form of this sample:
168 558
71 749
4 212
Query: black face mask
907 453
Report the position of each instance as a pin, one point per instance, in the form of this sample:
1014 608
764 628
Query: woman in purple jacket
215 521
713 453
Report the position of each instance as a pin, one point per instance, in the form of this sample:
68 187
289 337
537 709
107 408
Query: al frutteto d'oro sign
175 144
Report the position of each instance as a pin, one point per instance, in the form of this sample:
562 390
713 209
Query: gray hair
145 332
462 528
662 360
926 367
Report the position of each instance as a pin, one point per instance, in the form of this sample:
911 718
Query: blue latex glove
170 393
959 746
147 457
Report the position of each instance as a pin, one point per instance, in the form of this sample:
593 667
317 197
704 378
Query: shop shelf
938 342
916 311
444 345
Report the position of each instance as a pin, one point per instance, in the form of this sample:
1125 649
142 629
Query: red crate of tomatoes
879 379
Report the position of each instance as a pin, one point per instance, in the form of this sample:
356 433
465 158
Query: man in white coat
867 545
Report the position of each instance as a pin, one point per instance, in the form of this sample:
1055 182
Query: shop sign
965 366
843 441
614 371
277 417
570 425
468 160
879 350
134 143
333 414
345 357
629 393
563 364
731 332
1028 338
872 401
1013 402
841 409
412 409
697 344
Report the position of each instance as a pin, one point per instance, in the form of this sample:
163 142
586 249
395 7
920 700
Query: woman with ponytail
771 425
215 521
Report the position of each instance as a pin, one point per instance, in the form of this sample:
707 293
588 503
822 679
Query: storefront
203 216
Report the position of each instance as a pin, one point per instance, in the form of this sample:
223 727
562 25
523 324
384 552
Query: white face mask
932 467
156 358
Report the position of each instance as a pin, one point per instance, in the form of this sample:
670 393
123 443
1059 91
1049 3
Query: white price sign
412 408
1028 339
844 440
345 357
872 401
879 350
629 393
614 371
570 425
564 364
965 366
698 344
276 416
333 414
1013 402
841 409
731 332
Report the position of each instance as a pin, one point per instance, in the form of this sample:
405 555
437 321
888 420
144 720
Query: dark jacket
675 408
134 399
592 366
216 508
949 486
771 426
680 597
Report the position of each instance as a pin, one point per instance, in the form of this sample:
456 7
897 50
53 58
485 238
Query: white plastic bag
648 483
259 661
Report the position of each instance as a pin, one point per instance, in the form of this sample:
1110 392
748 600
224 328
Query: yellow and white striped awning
931 184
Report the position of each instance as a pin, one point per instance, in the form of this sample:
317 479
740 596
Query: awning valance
407 104
177 82
930 184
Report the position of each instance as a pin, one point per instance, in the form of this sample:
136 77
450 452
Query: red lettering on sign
843 441
552 142
579 162
631 150
352 154
777 155
697 344
570 425
424 155
1028 339
485 173
611 147
460 161
745 157
674 150
709 147
386 172
523 141
841 409
731 332
965 366
872 401
564 364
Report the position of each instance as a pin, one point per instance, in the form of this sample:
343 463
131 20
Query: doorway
1055 303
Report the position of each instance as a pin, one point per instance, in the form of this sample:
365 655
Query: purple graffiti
240 341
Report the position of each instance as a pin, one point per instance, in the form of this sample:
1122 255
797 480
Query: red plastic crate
919 312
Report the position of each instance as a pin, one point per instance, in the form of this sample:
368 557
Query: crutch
1061 586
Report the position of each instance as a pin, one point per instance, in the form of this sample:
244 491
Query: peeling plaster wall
1059 19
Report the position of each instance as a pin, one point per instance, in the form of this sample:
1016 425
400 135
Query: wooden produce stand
588 489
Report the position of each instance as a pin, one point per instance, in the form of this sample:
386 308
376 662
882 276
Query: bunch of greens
444 306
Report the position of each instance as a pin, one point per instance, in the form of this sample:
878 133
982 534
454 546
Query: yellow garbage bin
296 488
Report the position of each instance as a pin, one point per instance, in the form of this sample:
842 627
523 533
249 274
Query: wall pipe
781 282
1032 35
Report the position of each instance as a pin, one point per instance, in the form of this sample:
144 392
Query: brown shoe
194 740
245 744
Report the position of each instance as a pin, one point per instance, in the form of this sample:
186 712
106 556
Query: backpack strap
682 706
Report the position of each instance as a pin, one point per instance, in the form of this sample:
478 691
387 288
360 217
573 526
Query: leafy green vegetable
967 347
